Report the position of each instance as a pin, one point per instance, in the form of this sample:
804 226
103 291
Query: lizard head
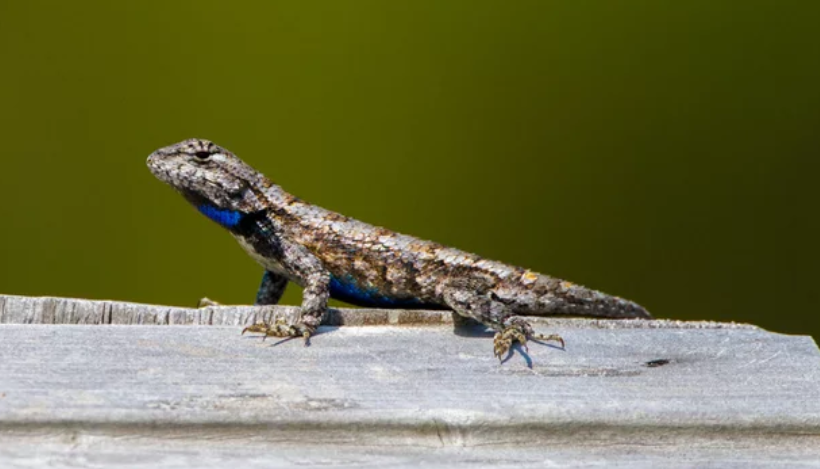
212 178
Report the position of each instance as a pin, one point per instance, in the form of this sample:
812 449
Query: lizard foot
205 302
281 328
516 329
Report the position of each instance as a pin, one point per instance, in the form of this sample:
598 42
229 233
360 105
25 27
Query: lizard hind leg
204 302
488 309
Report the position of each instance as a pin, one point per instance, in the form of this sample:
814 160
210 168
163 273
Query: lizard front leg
272 288
308 271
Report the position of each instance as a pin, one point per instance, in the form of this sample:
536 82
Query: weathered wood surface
403 395
53 310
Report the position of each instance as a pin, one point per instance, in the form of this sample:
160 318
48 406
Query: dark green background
662 151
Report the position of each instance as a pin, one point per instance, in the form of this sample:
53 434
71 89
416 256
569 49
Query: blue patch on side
349 291
226 218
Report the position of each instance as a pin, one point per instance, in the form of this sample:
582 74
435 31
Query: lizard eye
202 155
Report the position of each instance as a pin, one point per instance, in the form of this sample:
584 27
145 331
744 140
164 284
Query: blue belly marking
348 290
226 218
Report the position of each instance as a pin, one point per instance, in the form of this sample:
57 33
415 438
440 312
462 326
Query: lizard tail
555 296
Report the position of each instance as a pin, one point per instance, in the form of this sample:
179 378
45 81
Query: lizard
334 256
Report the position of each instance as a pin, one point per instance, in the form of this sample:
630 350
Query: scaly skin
331 255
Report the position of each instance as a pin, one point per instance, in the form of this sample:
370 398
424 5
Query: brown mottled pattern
314 247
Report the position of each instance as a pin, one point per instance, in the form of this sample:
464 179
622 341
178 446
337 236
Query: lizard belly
346 288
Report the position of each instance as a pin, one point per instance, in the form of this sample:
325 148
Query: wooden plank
636 393
53 310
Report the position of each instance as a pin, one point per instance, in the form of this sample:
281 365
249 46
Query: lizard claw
518 330
552 337
260 327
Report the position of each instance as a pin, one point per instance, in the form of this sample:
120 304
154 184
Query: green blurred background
662 151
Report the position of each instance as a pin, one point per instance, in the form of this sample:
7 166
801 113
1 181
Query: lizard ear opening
202 155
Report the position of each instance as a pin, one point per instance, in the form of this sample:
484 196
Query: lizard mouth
156 168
